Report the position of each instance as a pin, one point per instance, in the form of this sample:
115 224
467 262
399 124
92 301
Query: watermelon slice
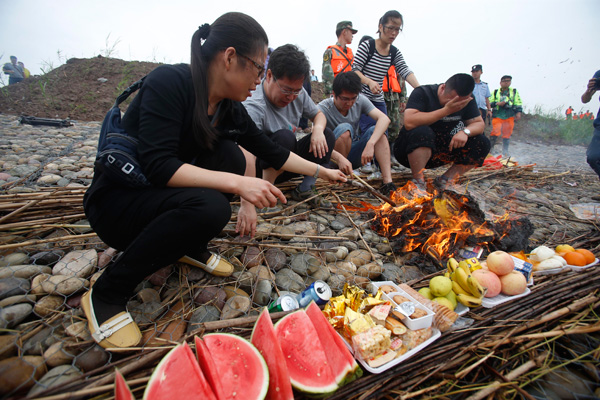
178 376
305 357
242 370
342 362
122 391
209 368
264 339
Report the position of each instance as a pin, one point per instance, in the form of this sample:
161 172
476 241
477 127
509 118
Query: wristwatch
467 132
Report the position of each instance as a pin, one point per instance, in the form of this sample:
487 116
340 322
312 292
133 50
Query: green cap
344 25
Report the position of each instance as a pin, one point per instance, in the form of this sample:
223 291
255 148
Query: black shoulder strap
127 92
393 52
371 50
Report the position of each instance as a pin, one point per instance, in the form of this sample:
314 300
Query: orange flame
433 225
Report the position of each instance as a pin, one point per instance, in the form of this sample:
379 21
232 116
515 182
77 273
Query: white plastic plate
461 309
494 301
435 334
576 268
550 271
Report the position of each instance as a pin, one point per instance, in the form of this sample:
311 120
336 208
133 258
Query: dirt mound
81 89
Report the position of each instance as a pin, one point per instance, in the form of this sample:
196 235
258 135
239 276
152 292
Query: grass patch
552 127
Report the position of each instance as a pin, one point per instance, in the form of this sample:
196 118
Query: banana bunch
468 291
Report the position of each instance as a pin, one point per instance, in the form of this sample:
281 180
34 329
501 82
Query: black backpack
117 155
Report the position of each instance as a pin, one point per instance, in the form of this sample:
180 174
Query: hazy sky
549 47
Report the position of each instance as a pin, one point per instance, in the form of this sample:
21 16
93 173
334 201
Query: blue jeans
366 122
593 152
358 142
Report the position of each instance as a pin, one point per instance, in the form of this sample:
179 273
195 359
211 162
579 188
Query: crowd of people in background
572 115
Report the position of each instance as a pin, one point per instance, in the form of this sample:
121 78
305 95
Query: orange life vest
341 61
392 82
569 110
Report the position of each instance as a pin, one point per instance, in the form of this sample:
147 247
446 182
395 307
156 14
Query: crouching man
353 149
442 125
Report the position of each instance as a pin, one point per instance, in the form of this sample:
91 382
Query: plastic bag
589 211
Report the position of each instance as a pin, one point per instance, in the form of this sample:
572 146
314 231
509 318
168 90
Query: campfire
439 225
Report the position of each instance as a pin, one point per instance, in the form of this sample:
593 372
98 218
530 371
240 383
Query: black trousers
157 226
473 153
286 138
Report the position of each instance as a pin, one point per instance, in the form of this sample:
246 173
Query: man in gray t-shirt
276 107
343 112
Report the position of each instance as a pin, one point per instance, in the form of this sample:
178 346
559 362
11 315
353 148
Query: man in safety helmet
338 57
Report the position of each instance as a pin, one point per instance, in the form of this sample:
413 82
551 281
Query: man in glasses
353 150
442 125
338 58
276 107
506 109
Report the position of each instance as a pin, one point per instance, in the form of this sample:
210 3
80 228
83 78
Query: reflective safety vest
391 83
341 61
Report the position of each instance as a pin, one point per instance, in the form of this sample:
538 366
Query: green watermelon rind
310 391
254 350
165 360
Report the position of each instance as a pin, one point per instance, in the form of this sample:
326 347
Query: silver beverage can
318 291
285 302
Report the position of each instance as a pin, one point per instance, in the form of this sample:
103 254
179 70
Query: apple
513 283
500 263
488 280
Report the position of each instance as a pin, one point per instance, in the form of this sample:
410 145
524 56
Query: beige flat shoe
215 265
118 331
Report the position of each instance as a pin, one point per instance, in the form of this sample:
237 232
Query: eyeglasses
260 68
348 99
288 91
506 80
393 28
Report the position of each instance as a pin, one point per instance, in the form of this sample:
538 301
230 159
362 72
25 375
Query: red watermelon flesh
122 391
243 371
178 376
208 367
264 339
340 359
305 357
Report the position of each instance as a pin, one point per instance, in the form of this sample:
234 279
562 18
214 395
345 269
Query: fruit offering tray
491 302
377 370
576 268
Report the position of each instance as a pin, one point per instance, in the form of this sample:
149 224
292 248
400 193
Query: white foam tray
491 302
435 334
550 271
461 309
576 268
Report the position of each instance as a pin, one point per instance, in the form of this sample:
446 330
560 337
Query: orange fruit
575 258
589 256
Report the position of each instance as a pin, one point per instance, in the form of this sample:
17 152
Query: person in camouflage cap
338 58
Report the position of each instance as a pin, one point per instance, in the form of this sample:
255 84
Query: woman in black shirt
189 121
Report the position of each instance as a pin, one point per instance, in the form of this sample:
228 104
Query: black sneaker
387 188
318 201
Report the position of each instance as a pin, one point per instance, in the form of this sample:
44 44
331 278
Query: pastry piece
381 359
372 342
379 313
443 318
395 326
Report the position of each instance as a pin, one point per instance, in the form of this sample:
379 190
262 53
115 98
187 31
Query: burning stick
364 185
